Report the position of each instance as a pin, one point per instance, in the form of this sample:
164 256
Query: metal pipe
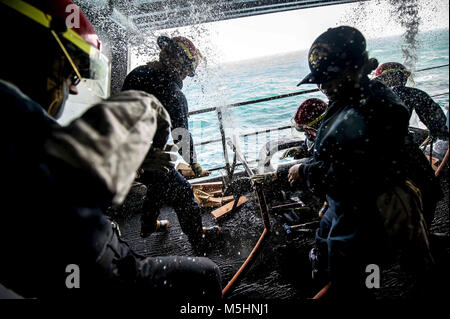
433 67
248 134
210 109
223 139
238 164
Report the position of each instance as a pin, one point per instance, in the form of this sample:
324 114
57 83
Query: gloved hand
292 152
264 179
198 170
158 159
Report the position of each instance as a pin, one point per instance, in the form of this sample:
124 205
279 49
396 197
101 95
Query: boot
159 226
202 244
210 232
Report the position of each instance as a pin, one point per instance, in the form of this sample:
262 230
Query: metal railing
223 138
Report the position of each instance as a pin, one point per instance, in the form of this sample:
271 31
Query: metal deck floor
281 269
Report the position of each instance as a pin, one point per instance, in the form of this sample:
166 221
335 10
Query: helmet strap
56 88
61 45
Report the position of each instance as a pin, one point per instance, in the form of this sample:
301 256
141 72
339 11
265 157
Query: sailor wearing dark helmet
58 181
304 125
306 120
395 75
165 185
358 164
178 59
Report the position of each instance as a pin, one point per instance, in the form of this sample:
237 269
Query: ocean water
275 75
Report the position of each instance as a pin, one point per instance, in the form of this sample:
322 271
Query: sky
269 34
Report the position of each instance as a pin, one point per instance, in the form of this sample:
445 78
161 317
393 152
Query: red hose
322 291
249 258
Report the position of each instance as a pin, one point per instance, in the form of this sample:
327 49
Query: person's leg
180 277
319 253
156 183
349 244
164 279
187 209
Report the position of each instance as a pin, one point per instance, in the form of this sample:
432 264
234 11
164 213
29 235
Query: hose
244 265
322 292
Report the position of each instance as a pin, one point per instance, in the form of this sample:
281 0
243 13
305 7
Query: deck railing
223 138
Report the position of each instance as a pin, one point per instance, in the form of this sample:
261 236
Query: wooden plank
206 187
217 213
208 200
217 193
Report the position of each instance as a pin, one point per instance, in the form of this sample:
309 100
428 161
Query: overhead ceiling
146 15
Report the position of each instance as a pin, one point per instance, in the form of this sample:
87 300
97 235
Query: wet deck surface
281 270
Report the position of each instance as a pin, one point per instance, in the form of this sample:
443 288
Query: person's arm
429 112
109 141
180 129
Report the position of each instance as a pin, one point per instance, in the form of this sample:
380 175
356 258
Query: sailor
306 121
163 78
167 187
304 125
358 164
395 75
58 180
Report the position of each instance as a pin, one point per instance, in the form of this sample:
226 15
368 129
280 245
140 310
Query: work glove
158 159
295 152
264 179
198 170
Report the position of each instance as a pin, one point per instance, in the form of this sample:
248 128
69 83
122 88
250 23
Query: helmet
392 73
308 117
389 67
76 38
309 113
64 9
334 51
184 48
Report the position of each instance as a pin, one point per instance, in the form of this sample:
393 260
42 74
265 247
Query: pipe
224 146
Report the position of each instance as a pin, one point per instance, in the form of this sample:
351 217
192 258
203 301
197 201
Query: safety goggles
93 70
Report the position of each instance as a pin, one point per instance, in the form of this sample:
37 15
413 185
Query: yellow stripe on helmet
185 49
396 69
316 120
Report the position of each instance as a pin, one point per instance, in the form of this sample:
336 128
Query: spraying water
406 13
403 13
